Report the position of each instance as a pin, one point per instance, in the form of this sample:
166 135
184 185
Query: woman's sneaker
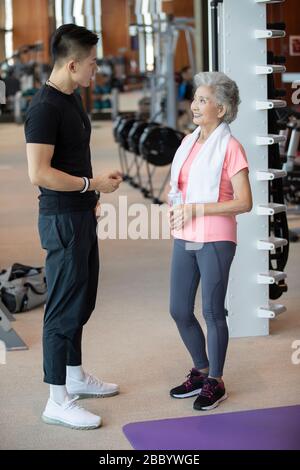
70 414
191 387
212 393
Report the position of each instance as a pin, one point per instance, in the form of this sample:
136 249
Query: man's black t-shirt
58 119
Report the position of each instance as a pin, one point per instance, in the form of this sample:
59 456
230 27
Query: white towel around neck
206 169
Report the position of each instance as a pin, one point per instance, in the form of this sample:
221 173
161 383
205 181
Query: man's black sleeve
42 124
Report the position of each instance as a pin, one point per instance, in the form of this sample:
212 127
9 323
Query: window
83 13
8 30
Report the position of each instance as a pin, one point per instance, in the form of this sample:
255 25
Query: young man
58 136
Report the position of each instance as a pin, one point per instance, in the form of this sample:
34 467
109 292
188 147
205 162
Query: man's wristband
86 184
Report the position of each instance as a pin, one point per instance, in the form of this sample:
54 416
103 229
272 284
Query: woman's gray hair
225 90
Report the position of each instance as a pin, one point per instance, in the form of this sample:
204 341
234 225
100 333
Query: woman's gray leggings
212 263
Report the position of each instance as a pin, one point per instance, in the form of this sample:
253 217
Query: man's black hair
72 40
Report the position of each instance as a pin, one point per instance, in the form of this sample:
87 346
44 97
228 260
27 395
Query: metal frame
165 33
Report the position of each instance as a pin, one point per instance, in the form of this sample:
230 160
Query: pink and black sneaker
212 393
191 387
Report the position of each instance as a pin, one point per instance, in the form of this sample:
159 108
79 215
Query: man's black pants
72 268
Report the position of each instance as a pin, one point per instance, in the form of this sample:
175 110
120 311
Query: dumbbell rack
243 37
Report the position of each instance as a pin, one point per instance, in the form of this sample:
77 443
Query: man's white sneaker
70 414
90 387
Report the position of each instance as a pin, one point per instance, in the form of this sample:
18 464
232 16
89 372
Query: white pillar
243 50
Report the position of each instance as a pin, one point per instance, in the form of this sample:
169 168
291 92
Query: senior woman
210 170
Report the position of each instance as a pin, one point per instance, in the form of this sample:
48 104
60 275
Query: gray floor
130 338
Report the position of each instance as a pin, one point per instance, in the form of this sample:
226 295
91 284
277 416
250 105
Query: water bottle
175 196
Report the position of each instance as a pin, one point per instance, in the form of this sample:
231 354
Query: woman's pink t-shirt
211 228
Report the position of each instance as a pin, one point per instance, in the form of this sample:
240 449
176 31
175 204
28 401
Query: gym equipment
158 34
158 146
122 129
248 293
7 334
278 226
151 145
23 79
106 94
23 287
117 124
290 127
134 137
135 134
